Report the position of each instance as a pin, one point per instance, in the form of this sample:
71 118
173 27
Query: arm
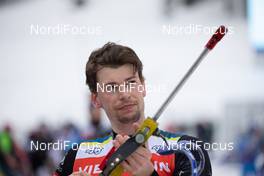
65 167
182 165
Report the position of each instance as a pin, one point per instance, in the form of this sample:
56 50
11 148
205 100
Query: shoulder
170 135
101 140
101 143
178 136
155 143
181 162
94 148
65 167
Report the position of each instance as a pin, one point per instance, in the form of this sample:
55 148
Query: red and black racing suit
173 165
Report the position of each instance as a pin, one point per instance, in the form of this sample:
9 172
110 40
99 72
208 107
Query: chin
130 119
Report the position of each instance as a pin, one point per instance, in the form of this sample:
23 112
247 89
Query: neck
126 129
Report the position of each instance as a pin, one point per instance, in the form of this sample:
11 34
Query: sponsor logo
96 150
156 147
91 169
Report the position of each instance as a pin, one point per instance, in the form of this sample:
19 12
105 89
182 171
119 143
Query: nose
124 95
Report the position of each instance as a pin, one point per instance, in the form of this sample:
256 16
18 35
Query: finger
134 161
143 152
126 166
119 140
126 137
116 144
139 157
122 139
136 126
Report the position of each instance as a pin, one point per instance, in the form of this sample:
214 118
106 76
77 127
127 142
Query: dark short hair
110 55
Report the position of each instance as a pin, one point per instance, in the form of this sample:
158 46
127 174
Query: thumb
136 126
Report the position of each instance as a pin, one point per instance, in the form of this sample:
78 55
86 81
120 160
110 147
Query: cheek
139 96
107 102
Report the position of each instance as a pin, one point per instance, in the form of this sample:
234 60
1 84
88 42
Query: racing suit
91 153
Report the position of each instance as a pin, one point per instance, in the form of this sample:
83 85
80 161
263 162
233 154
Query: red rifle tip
218 35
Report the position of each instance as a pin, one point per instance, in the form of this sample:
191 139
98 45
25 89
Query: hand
138 163
79 174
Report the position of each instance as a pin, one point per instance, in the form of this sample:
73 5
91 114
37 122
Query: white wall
42 76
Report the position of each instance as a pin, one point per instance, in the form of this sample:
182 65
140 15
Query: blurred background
44 46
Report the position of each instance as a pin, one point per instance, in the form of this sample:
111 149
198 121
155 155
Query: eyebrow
113 83
131 77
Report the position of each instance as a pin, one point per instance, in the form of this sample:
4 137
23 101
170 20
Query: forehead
118 74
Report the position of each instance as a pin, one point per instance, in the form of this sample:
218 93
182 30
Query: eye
131 81
111 88
114 87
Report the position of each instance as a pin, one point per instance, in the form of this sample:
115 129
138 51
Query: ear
95 100
144 90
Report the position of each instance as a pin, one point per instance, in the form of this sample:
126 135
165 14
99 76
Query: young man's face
121 94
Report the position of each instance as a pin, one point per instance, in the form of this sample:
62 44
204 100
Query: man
114 76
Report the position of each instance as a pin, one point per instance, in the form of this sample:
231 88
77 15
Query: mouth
127 107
